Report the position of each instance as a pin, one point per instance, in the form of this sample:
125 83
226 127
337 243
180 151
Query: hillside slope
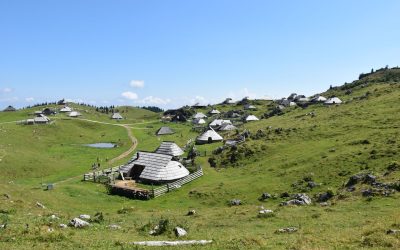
314 150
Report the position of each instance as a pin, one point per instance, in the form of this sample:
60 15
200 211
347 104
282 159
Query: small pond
101 145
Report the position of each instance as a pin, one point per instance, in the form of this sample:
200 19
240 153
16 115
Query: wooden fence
101 176
177 184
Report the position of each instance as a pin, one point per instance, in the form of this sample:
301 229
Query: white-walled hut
154 168
117 116
9 109
65 109
208 137
333 100
250 118
74 114
169 148
165 131
199 116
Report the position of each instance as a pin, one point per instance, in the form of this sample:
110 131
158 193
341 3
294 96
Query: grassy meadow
336 142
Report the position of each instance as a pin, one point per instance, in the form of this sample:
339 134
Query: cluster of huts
220 123
295 99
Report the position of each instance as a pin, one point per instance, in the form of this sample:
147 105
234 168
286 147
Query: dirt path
130 150
121 156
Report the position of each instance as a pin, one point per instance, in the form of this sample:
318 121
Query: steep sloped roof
214 112
41 119
251 118
318 98
333 100
66 109
169 148
199 121
74 114
9 109
199 115
165 131
227 127
157 167
219 122
172 171
209 134
117 116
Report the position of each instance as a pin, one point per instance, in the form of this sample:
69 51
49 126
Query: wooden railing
177 184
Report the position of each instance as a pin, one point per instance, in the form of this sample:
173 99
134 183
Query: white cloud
245 92
9 99
129 95
137 83
6 90
74 100
200 100
154 100
29 99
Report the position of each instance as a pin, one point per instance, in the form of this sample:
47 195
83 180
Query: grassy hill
323 144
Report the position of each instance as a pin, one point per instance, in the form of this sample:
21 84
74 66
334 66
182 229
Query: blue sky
169 53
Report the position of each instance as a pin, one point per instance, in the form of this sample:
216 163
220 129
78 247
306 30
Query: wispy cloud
200 100
129 95
152 100
6 90
29 99
137 83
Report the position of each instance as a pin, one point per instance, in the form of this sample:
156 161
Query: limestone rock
180 232
78 223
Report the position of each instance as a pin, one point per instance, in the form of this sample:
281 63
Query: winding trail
121 156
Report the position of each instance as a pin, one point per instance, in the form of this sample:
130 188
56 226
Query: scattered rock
114 227
285 195
191 212
287 230
155 230
235 202
3 226
298 199
265 196
369 179
38 204
78 223
351 189
265 211
311 184
367 193
63 226
84 217
180 232
353 180
393 231
50 230
324 204
54 217
325 196
7 196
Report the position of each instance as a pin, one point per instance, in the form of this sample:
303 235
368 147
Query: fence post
167 188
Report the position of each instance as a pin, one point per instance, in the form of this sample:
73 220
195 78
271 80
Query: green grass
327 147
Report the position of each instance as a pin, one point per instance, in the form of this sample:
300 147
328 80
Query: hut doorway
136 171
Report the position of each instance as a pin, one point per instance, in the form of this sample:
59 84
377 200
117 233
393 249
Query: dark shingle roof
169 148
165 131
